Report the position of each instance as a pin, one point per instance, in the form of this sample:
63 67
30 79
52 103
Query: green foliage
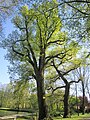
55 102
38 42
73 102
42 29
87 24
19 94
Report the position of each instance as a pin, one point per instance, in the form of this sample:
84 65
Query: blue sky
4 76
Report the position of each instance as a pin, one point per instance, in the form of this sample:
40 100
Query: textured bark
77 99
41 98
66 97
83 102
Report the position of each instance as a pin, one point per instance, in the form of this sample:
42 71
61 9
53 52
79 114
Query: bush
55 113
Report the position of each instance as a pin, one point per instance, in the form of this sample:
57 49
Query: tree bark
83 102
41 98
66 97
77 99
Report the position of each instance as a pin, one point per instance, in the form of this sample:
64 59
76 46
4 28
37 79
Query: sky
4 75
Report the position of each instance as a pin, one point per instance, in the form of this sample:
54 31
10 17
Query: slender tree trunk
66 97
1 101
83 102
77 99
41 98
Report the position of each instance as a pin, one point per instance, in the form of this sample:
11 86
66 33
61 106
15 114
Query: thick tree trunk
41 98
66 97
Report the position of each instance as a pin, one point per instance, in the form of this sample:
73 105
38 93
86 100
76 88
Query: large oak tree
37 41
38 33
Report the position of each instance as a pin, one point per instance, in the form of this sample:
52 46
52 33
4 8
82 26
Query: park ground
73 117
30 117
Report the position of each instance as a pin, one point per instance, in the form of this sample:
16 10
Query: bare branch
78 9
54 89
29 58
56 41
29 45
75 81
58 88
48 58
78 1
59 73
70 70
17 52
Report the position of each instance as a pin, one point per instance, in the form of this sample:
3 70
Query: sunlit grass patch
73 117
6 113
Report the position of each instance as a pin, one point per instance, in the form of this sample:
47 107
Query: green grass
5 113
74 117
8 113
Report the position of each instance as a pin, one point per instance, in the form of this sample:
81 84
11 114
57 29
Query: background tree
64 65
82 72
21 94
73 104
66 86
6 96
1 96
82 107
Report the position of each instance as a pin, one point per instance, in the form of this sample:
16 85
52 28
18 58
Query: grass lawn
74 117
5 113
